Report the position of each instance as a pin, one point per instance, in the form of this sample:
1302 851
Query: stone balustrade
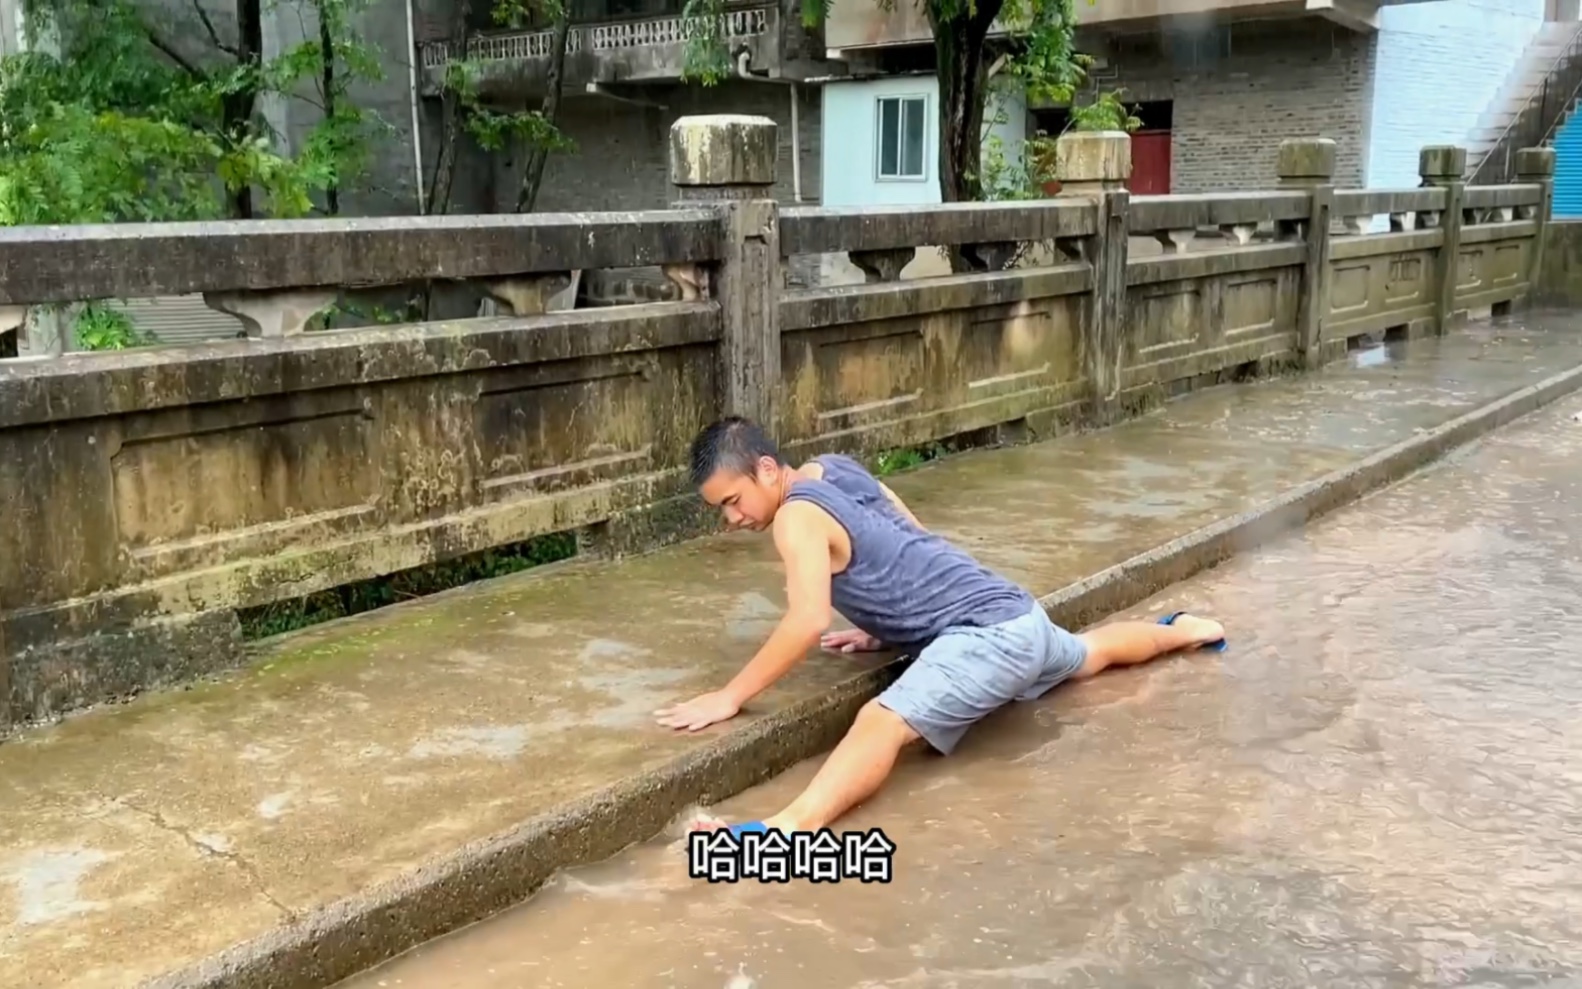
153 494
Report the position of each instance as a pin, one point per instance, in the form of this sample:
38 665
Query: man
849 544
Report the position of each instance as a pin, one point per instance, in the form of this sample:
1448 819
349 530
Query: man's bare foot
709 823
1202 630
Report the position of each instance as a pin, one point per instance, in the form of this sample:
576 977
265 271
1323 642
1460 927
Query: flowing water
1378 784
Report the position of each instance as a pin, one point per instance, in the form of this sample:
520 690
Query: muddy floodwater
1378 784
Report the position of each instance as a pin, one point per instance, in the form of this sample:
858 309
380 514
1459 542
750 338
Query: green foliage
1048 66
888 462
379 592
1008 176
523 13
327 67
69 163
98 327
705 59
105 128
364 314
103 120
1105 112
495 131
384 316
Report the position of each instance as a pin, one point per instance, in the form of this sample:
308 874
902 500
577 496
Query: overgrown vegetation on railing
111 114
120 111
98 327
1028 172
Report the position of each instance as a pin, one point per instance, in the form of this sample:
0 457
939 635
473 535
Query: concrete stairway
1567 143
1523 84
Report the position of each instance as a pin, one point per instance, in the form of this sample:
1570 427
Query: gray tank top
853 478
904 585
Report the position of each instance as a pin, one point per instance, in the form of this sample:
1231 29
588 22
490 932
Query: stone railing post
1309 163
5 682
1096 165
1537 165
728 161
1443 166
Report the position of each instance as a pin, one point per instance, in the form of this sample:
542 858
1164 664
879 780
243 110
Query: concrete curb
490 875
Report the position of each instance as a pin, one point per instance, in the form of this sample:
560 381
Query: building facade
623 86
1217 83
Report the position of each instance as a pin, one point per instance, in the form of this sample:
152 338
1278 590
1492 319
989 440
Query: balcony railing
747 22
861 24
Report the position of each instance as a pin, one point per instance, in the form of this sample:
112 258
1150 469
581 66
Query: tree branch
171 53
214 35
533 171
332 194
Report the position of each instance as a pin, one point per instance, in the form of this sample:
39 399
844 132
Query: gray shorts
966 673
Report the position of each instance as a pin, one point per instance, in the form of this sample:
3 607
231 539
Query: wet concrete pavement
139 838
1377 785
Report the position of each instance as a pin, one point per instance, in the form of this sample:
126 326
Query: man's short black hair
734 443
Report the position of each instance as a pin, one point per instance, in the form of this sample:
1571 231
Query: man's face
748 501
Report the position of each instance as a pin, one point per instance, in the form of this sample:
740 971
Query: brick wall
1441 65
1238 91
621 160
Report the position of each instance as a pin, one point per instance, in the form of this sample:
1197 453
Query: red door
1150 163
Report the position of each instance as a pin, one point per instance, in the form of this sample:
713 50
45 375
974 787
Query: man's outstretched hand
700 712
850 640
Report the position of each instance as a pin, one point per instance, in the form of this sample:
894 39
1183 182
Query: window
903 128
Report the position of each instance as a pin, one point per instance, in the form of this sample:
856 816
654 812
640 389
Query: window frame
901 100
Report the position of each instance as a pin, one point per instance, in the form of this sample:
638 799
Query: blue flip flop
1218 645
756 827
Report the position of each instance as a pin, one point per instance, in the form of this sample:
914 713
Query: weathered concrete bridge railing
149 495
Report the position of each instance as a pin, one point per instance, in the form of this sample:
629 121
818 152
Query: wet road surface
1378 784
139 838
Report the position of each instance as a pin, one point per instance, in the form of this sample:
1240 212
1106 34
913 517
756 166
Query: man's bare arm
801 532
900 505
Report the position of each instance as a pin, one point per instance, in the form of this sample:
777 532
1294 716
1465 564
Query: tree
328 65
466 114
533 133
98 125
106 119
1036 53
546 136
